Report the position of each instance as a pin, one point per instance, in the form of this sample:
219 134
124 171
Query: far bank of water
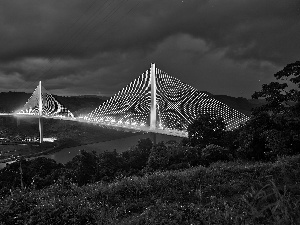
120 145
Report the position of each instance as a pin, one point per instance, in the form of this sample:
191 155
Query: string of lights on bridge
177 105
50 106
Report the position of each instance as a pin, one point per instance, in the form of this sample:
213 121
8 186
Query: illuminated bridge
154 102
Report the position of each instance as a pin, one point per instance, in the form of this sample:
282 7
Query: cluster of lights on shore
176 105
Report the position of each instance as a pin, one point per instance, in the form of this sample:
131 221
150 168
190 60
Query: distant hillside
80 104
243 105
11 101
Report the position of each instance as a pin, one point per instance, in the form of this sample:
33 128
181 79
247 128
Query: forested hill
81 104
10 101
243 105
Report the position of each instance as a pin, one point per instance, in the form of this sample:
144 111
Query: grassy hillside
224 193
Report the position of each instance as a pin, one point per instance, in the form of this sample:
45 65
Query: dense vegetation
247 176
223 193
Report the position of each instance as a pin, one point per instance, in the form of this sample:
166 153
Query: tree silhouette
279 134
206 129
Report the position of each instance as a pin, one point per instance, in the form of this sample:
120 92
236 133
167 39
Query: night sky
79 47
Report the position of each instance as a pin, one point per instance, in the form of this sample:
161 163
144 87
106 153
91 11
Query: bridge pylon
164 102
153 97
153 101
42 104
40 112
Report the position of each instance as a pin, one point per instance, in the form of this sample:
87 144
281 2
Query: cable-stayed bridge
154 102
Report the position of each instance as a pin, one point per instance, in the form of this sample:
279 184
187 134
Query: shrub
218 194
213 153
270 205
179 166
206 129
158 158
135 159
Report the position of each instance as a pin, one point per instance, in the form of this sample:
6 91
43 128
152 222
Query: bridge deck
116 125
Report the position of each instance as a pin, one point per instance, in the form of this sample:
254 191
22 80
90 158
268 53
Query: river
121 145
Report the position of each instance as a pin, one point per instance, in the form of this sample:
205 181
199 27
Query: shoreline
58 148
65 154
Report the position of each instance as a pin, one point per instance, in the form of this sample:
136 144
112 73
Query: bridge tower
35 106
153 101
40 112
153 97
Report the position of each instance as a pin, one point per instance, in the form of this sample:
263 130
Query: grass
224 193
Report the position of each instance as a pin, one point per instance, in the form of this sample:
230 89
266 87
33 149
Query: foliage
224 193
278 96
273 129
181 156
158 158
206 129
83 167
88 167
38 172
213 153
251 137
110 164
269 205
136 158
145 145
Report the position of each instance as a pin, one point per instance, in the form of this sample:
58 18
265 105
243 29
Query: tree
39 172
251 138
213 153
279 96
280 133
158 158
83 167
206 129
42 171
110 164
136 158
145 145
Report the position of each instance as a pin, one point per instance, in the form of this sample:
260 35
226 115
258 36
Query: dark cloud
90 47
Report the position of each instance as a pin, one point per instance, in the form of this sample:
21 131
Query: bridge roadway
109 124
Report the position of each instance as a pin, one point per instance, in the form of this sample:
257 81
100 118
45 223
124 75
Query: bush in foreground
213 153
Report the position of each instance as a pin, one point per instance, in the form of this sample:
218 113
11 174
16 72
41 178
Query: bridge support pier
153 137
41 129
